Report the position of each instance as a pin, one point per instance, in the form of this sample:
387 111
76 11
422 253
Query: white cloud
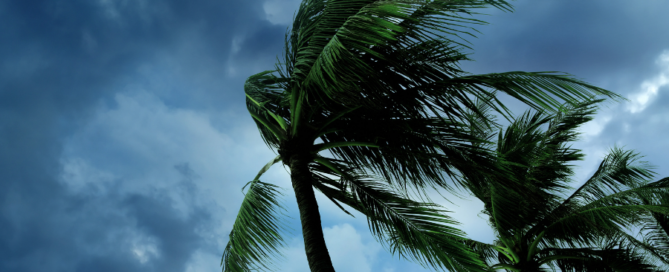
146 140
467 212
137 243
203 261
295 257
134 146
347 250
648 89
81 177
591 129
280 12
113 9
235 46
144 251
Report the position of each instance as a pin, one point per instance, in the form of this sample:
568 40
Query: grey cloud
592 40
57 231
60 58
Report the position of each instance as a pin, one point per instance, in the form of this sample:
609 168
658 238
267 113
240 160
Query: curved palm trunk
312 231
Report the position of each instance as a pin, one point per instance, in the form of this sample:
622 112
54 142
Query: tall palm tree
537 224
381 88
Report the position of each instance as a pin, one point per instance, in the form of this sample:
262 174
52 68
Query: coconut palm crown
380 87
539 226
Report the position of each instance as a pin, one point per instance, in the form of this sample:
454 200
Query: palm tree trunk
312 231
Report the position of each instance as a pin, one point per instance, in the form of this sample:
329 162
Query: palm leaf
655 252
255 235
267 105
603 207
412 153
608 259
534 85
538 160
339 51
485 251
327 41
415 230
606 216
655 241
618 171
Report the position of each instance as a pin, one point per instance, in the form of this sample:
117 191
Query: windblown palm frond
656 229
535 158
349 53
255 237
614 188
536 226
485 251
412 153
417 230
608 259
654 242
267 106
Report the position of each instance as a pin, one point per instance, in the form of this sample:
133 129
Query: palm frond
607 259
655 253
538 159
329 37
546 158
608 215
482 123
605 206
267 105
415 230
485 251
532 88
411 153
551 172
654 244
358 53
617 172
256 234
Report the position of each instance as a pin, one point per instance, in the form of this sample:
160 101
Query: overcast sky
125 141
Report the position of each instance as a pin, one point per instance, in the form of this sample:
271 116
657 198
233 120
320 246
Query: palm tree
536 226
381 88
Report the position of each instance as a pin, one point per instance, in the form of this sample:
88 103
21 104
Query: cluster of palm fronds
381 88
588 230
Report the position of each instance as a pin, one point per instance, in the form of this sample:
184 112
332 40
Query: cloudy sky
124 139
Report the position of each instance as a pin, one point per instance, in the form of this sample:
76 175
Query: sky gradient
125 141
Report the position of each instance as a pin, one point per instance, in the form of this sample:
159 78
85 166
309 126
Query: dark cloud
265 43
610 44
47 228
59 59
70 53
176 237
592 40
